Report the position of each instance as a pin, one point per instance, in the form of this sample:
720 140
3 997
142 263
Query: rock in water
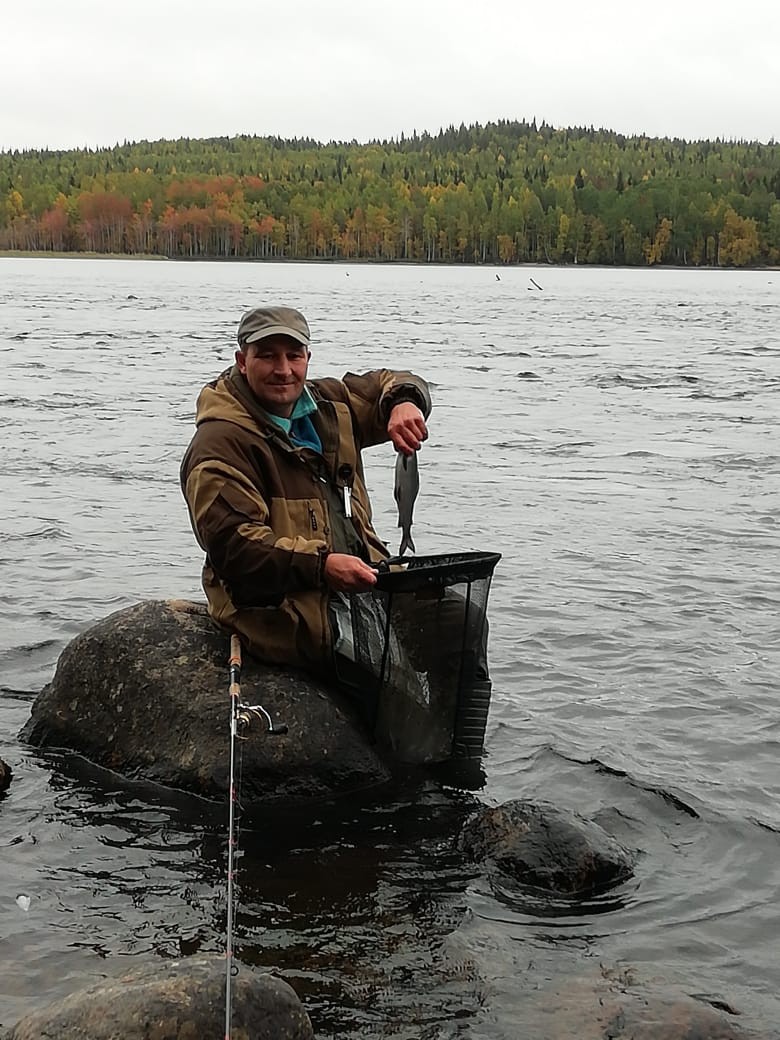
616 1004
145 693
184 1000
5 776
546 848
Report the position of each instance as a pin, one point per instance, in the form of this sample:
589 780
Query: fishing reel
245 713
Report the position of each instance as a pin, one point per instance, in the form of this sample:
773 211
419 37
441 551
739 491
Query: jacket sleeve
230 517
372 396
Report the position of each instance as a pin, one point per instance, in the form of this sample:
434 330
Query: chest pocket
347 451
318 518
301 518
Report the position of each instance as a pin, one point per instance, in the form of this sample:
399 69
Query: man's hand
406 428
345 573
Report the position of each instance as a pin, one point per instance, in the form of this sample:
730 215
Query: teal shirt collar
305 405
299 427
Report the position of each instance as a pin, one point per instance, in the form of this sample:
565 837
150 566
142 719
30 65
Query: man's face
275 369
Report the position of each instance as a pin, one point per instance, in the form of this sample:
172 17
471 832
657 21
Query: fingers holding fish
407 428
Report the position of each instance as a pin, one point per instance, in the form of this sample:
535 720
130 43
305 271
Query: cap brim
276 330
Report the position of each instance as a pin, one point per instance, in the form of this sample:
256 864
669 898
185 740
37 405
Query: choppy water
616 434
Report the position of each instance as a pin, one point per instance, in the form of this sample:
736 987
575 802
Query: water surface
615 434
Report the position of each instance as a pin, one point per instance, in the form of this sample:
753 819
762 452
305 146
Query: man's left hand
406 428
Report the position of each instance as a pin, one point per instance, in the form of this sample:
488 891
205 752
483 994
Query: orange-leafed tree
54 226
105 216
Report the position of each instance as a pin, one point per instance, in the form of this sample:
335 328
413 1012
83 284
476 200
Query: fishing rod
241 716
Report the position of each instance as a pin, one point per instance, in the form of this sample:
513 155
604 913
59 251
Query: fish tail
406 543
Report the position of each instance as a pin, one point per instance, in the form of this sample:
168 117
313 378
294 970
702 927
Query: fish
407 484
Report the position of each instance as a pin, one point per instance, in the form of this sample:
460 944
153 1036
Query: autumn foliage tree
506 193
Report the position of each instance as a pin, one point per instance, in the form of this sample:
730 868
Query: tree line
507 192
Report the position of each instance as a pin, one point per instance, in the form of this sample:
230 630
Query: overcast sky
88 73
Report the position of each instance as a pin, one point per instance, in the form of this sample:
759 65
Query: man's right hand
345 573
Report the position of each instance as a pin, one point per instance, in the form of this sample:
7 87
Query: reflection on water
615 437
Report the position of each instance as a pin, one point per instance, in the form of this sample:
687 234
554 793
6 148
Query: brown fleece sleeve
371 397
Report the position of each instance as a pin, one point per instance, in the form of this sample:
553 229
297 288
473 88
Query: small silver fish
407 484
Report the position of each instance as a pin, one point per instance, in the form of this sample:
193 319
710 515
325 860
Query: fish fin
406 543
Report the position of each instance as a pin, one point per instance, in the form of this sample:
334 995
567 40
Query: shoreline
49 254
41 254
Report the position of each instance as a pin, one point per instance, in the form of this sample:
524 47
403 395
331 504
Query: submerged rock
618 1006
184 1000
145 693
5 776
537 845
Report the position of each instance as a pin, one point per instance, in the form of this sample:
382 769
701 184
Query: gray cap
262 322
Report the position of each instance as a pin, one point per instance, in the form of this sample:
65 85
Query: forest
507 192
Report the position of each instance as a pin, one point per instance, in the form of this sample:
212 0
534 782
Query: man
273 479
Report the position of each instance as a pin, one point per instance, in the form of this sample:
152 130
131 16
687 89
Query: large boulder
539 846
145 693
184 1000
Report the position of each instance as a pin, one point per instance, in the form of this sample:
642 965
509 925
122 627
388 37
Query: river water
616 435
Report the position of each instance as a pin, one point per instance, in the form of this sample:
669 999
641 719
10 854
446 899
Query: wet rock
182 1001
145 693
5 776
618 1007
537 845
679 1019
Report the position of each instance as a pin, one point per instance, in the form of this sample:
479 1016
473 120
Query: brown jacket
262 508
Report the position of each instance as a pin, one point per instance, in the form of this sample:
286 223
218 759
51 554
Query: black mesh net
417 649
